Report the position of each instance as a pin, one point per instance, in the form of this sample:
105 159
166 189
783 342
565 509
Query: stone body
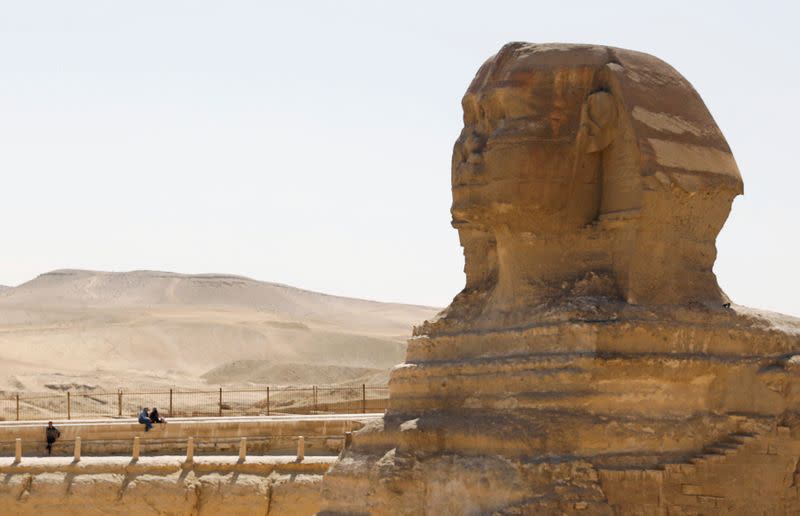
591 365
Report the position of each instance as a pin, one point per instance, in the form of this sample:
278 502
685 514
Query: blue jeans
147 424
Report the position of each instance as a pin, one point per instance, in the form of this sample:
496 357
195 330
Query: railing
136 449
186 403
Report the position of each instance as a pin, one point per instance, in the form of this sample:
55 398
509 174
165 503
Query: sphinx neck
533 270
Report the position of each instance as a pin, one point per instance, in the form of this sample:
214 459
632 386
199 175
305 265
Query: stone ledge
167 464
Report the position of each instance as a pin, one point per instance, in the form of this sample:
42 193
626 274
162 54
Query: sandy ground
99 330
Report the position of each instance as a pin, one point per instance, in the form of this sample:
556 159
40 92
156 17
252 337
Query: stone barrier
212 436
119 485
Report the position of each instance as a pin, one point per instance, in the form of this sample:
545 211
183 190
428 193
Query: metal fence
264 401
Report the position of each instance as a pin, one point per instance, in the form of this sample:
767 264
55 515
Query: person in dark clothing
155 417
144 418
51 433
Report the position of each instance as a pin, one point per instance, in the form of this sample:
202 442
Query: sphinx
591 364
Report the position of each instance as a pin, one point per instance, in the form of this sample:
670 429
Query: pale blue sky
310 144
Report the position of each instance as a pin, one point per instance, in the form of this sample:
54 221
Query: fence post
220 402
315 399
267 399
243 449
77 455
170 403
363 398
119 402
190 449
17 406
136 448
301 448
69 409
18 450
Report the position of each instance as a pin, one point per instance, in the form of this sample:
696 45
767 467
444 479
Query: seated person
155 417
144 419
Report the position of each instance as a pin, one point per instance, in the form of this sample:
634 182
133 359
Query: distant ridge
122 328
77 274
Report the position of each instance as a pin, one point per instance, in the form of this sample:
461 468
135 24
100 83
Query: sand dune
143 327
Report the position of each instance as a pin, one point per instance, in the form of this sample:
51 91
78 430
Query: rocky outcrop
591 364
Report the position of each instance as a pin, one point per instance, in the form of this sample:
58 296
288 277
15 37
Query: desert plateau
88 330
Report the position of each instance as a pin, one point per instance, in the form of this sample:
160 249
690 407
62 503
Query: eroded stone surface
162 485
591 365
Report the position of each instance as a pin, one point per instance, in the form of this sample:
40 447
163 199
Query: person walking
144 419
51 433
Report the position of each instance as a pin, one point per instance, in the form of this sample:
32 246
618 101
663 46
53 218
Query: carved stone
591 364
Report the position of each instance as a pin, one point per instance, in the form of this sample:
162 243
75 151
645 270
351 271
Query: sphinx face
517 163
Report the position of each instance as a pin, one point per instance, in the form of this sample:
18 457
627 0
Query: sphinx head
521 161
581 160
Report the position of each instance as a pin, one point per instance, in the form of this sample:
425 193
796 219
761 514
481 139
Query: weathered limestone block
295 494
176 494
233 493
162 485
592 364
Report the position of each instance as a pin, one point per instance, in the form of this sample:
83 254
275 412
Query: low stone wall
216 436
162 485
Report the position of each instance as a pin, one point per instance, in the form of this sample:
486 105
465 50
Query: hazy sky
310 144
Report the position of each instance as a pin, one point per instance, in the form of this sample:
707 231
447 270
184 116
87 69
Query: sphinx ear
599 121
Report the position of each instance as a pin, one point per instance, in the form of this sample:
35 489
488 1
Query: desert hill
108 329
263 371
